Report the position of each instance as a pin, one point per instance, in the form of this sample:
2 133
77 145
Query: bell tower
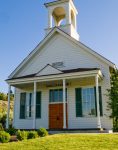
62 11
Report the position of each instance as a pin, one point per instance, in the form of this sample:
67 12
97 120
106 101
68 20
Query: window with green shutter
38 105
22 105
85 102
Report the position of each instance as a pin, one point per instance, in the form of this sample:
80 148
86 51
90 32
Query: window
56 95
58 64
22 105
26 105
88 102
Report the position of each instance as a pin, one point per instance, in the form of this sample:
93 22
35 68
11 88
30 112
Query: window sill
56 102
26 119
29 118
87 117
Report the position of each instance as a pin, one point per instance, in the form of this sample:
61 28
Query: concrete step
78 131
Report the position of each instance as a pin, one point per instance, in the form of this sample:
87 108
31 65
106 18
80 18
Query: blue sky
22 24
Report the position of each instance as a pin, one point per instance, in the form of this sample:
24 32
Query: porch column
34 107
8 107
64 104
49 19
98 106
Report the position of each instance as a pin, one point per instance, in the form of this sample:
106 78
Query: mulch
13 138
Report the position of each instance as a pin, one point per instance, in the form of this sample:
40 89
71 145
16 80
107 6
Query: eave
56 77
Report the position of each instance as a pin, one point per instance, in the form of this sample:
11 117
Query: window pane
60 95
22 105
88 101
56 96
28 109
84 92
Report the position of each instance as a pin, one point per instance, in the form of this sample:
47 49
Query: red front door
56 116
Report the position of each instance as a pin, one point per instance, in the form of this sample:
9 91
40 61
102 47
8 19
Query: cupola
62 14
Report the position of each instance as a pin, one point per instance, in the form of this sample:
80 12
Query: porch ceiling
84 81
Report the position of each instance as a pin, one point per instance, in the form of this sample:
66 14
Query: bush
21 135
32 135
42 132
1 127
11 131
3 117
4 137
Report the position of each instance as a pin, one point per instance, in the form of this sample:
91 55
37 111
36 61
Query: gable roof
55 2
51 34
48 70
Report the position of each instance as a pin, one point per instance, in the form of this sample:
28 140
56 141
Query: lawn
67 142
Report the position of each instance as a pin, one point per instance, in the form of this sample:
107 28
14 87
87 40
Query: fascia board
54 77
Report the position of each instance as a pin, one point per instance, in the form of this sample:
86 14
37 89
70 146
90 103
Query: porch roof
62 72
66 74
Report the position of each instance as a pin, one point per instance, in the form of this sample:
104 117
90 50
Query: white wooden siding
61 49
73 121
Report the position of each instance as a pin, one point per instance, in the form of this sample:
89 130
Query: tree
4 96
113 99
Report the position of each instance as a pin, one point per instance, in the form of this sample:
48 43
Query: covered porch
55 110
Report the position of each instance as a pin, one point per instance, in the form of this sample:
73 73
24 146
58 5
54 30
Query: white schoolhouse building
62 83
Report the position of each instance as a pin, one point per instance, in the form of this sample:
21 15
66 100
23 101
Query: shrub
42 132
4 137
1 127
32 135
11 131
21 135
3 117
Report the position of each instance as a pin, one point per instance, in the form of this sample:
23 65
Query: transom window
56 95
88 102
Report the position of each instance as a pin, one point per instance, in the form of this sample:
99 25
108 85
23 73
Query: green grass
67 142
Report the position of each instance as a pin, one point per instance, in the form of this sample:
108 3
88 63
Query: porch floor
77 131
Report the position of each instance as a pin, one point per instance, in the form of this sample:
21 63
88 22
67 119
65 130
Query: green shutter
30 104
38 105
95 101
78 102
22 105
100 101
